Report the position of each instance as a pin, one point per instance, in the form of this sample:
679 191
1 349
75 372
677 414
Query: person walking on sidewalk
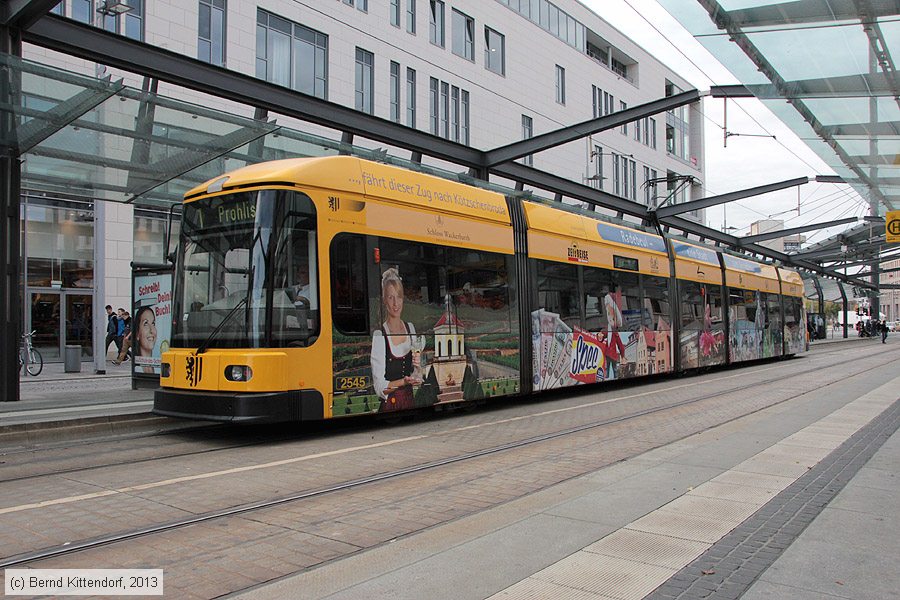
120 330
884 332
126 341
112 329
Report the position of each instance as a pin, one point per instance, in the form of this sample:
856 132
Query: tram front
245 316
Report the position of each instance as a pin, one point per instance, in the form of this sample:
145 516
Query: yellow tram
323 287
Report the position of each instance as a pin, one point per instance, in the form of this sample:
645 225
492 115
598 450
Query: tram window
714 295
743 304
774 312
692 305
558 291
628 286
597 284
656 302
295 297
423 272
477 284
348 284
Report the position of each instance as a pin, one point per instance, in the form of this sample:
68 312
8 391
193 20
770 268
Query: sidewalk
737 497
56 399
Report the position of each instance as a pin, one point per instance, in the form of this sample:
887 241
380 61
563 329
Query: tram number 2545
351 383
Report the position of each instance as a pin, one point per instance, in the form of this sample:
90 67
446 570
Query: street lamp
113 8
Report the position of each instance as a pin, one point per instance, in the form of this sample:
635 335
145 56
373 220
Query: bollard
73 359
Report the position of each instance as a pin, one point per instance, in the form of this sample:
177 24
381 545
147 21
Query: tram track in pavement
244 509
262 433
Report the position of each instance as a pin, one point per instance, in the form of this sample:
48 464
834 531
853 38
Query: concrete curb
29 435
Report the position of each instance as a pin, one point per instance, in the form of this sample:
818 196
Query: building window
596 178
651 131
134 20
365 81
650 191
609 104
211 32
623 106
291 55
82 10
632 166
494 51
677 126
646 185
436 23
395 92
560 85
617 177
597 99
448 111
395 13
433 105
463 35
464 118
445 110
362 5
410 97
527 132
411 16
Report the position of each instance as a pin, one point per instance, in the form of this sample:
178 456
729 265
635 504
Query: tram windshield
255 251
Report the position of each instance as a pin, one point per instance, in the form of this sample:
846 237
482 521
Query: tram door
59 318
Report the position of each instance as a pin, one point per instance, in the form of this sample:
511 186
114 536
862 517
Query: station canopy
83 136
825 68
92 137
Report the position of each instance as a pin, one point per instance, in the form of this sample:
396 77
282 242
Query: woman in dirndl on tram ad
393 359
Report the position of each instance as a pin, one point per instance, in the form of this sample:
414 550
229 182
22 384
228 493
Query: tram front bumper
262 407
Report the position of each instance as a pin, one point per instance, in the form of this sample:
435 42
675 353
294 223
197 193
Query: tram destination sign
892 227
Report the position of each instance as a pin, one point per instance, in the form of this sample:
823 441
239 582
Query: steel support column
875 301
820 295
844 302
10 194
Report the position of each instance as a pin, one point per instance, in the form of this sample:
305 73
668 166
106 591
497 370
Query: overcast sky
746 161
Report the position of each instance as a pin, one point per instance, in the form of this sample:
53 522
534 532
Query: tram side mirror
171 257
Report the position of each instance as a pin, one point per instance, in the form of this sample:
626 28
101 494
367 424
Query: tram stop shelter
107 141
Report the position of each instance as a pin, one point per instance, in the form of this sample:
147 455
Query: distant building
789 243
889 300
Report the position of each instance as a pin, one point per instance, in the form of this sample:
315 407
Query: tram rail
242 509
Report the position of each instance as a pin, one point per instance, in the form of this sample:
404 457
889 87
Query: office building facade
483 73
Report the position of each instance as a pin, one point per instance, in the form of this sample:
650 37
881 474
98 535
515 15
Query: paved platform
793 502
796 501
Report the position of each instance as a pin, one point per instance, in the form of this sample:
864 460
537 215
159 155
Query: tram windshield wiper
205 345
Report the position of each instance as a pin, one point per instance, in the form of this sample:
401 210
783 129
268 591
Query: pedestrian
112 329
126 341
120 330
884 332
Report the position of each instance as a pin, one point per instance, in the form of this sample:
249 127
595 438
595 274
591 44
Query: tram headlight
165 369
238 373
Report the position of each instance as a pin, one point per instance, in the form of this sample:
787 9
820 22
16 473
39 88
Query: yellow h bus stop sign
892 227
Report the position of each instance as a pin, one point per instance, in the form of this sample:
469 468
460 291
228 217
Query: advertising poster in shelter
151 321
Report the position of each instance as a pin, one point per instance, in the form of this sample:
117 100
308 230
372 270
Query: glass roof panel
841 98
808 53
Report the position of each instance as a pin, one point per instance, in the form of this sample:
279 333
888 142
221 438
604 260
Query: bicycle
30 355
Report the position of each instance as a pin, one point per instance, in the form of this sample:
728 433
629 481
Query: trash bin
73 359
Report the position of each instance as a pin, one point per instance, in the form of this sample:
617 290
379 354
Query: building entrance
59 318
